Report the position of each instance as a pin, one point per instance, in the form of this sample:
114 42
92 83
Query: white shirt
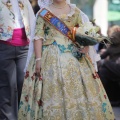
17 13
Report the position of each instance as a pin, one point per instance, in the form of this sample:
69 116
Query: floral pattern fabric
7 18
68 89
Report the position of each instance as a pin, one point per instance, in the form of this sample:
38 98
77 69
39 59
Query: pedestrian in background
16 17
35 6
110 68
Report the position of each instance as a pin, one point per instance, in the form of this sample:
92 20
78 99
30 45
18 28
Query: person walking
16 18
69 89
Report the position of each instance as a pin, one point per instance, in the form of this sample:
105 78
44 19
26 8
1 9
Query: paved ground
117 112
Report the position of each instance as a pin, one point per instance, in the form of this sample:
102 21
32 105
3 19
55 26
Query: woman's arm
85 50
38 39
38 48
38 55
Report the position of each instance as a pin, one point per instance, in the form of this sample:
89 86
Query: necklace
59 7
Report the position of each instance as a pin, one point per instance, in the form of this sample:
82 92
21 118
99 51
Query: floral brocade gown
68 89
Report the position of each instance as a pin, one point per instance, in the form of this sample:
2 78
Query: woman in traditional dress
69 89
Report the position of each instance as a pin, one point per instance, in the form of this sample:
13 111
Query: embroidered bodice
50 34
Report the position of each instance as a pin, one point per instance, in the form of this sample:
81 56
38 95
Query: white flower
88 29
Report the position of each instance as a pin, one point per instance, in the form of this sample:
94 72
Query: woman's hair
115 38
113 50
111 30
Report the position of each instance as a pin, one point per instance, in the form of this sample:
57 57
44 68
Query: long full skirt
68 90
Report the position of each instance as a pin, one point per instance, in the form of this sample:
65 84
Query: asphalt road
117 112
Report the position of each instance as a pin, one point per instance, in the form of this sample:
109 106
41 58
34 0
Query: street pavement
117 112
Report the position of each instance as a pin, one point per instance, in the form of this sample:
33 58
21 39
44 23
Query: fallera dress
68 89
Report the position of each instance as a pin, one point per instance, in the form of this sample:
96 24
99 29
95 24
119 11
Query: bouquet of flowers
87 35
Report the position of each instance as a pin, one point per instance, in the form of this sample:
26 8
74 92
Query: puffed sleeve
39 27
82 17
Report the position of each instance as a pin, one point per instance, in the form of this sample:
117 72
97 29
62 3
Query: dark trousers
12 63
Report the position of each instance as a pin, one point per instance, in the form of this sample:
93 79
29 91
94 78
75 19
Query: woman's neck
59 4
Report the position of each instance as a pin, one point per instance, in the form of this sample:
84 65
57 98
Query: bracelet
37 59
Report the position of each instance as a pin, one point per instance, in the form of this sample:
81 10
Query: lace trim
66 16
38 38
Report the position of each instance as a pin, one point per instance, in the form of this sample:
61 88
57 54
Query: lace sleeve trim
39 38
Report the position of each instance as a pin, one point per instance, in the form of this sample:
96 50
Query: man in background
16 19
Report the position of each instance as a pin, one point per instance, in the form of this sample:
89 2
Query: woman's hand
84 50
38 68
